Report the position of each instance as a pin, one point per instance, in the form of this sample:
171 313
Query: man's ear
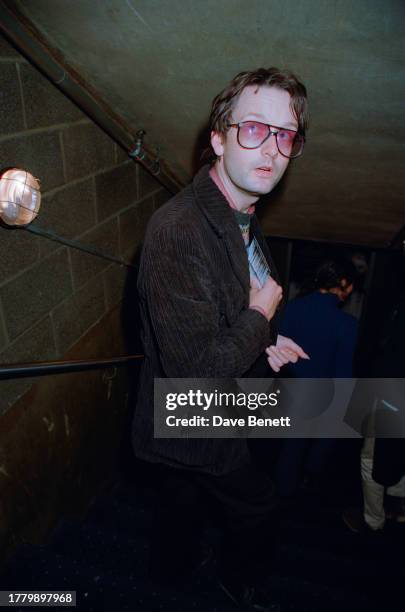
217 143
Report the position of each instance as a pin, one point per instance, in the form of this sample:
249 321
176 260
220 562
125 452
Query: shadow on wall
130 312
131 331
202 153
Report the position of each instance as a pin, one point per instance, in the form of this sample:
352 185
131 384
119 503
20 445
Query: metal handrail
46 368
74 244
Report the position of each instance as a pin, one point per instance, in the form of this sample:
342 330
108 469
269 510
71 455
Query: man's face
249 173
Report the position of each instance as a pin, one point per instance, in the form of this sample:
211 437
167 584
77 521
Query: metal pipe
34 229
46 368
30 42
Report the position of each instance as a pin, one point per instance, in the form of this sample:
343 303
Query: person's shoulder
182 209
176 207
177 213
299 302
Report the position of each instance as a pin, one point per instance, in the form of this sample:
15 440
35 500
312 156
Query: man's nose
269 147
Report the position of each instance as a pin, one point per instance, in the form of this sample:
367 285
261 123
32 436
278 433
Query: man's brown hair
224 103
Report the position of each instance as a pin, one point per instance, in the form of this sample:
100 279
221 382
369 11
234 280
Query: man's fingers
254 283
288 344
275 359
285 351
288 355
301 353
275 350
292 357
282 356
278 355
272 364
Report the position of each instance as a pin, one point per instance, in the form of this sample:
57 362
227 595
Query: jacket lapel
238 257
221 218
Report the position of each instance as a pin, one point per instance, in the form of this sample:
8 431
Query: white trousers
373 493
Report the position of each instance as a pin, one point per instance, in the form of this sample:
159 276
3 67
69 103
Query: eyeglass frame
271 133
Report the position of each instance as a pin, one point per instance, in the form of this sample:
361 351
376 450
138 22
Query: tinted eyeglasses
252 134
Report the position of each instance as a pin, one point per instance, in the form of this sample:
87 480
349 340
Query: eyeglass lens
252 134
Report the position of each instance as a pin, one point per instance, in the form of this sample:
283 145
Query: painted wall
59 435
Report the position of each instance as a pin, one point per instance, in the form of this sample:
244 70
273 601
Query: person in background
382 459
316 321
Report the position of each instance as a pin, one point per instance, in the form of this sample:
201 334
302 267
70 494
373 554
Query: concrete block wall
51 295
61 437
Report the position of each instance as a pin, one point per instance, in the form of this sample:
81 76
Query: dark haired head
329 276
331 273
224 103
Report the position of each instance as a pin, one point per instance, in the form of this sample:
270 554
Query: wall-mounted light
20 197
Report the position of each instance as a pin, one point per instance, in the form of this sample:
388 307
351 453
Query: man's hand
265 299
284 351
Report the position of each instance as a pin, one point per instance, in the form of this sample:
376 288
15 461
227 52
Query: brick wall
51 295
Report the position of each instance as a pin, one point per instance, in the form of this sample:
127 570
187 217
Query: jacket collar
213 204
220 216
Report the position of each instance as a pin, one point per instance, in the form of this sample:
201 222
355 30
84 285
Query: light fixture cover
20 197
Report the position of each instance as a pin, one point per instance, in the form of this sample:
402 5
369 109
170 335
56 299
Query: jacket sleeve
183 305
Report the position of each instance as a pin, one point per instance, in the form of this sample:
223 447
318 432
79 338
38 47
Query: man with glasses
209 298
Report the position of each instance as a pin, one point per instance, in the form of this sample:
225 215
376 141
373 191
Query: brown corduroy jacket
193 289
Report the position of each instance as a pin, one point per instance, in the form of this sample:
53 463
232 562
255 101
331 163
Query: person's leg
373 493
177 526
247 504
320 454
395 500
397 490
289 467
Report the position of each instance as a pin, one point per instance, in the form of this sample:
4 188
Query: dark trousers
299 456
242 503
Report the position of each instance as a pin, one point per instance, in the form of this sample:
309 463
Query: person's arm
183 306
